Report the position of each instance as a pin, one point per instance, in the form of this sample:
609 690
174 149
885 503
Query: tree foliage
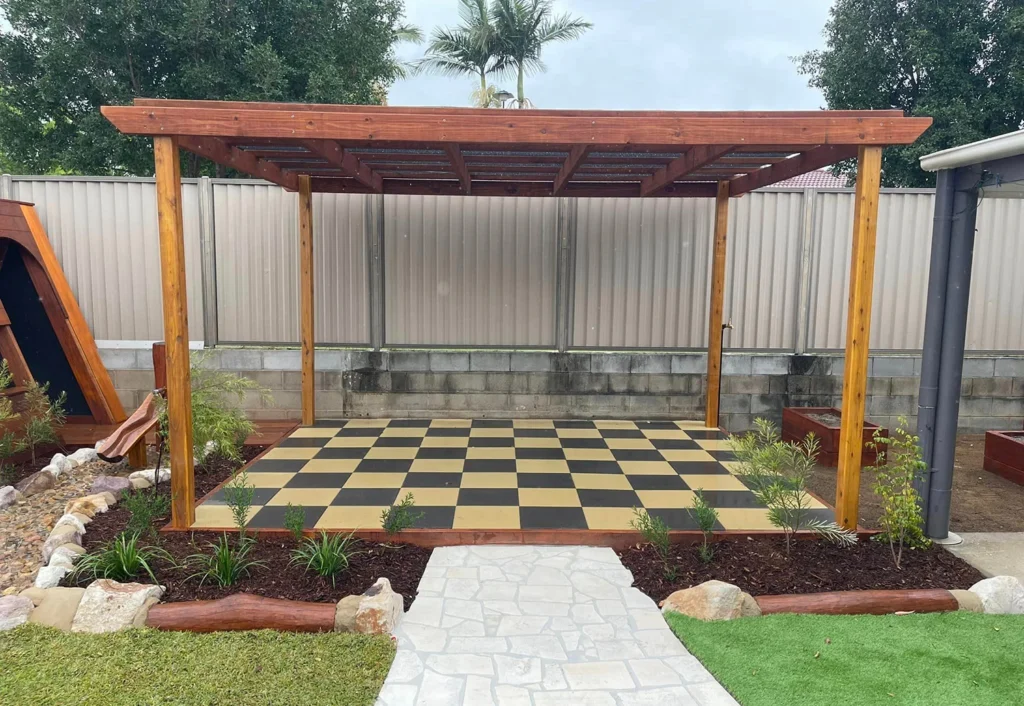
960 62
60 60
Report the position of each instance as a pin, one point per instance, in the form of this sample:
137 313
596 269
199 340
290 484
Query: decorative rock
63 556
84 455
55 607
1000 595
49 576
59 536
147 475
712 600
109 606
91 505
140 483
380 609
9 495
14 611
62 561
70 521
345 614
62 463
115 485
84 519
968 601
37 483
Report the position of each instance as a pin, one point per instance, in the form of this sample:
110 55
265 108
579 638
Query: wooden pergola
486 152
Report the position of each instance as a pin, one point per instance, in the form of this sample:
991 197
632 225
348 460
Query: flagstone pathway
539 626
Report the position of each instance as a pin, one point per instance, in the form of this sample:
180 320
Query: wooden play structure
486 152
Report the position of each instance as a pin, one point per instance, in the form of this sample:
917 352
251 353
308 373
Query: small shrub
295 520
706 517
655 533
43 416
226 564
121 560
145 508
400 517
9 443
896 471
326 555
777 472
238 495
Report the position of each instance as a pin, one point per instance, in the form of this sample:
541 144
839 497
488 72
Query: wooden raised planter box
798 422
1004 454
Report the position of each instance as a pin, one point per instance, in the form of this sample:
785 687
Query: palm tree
523 27
466 50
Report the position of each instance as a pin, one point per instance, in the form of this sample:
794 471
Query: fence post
375 261
803 304
565 272
6 187
208 251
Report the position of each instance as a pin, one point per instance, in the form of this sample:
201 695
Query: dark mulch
22 465
759 566
402 564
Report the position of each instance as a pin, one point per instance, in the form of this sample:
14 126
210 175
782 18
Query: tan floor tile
814 503
533 424
715 444
444 442
647 468
367 423
350 517
404 431
733 466
739 518
432 497
269 480
218 516
548 497
451 423
329 465
629 444
501 452
579 434
614 424
375 480
686 455
589 455
600 481
608 518
666 434
314 432
488 432
489 480
693 424
529 442
351 442
392 452
437 465
485 517
713 482
542 466
666 499
310 497
291 453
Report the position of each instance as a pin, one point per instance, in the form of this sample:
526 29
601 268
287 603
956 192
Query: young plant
295 520
218 424
238 496
777 472
899 465
121 560
400 517
145 508
705 517
326 555
9 443
43 416
226 564
655 533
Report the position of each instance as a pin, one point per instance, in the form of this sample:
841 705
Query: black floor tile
594 467
637 455
384 465
492 423
584 444
524 454
574 424
676 444
545 480
608 498
407 423
489 465
366 496
441 452
272 517
657 483
731 498
679 519
536 433
360 431
434 517
491 441
657 425
341 452
398 441
489 496
429 479
707 468
301 442
622 434
317 480
446 431
723 455
705 434
552 518
260 496
276 465
330 423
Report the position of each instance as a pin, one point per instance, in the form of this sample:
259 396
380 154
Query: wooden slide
133 431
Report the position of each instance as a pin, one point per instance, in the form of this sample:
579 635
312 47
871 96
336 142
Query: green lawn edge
934 659
42 666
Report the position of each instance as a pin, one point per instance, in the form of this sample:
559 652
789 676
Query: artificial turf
940 658
41 666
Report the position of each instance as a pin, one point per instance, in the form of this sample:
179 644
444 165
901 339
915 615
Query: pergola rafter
537 153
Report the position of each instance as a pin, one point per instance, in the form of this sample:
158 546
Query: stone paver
533 626
993 553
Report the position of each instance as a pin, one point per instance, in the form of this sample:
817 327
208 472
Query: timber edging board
1004 454
797 424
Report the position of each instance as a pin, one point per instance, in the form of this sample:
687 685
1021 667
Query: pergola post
172 276
858 331
306 298
717 305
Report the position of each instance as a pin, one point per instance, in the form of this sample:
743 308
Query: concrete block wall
363 383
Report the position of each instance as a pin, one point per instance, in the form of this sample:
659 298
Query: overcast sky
653 54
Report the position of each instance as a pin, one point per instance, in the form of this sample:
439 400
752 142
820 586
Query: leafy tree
60 60
44 416
470 49
960 62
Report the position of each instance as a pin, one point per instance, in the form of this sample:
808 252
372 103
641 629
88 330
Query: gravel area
25 526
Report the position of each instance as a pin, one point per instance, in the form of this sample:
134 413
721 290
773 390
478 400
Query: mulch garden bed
760 566
402 564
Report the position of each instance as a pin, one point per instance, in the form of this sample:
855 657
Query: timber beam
577 154
459 165
817 158
216 150
694 159
339 157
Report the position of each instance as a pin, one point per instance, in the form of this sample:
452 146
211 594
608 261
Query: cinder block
144 358
128 399
571 362
359 360
806 400
630 383
291 381
650 405
487 402
609 363
547 383
330 401
737 364
409 361
769 364
133 380
119 358
660 384
588 383
767 405
1009 367
875 386
737 423
904 385
1005 407
284 360
991 387
285 399
688 384
239 359
891 406
686 406
531 405
271 379
468 382
979 367
651 363
490 361
839 366
735 403
800 384
530 362
979 425
891 366
745 384
1018 387
811 364
777 384
689 363
503 382
600 405
331 360
448 362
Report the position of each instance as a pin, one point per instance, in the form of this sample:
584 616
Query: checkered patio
496 474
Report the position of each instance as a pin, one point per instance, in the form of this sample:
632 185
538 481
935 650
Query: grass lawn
929 659
41 666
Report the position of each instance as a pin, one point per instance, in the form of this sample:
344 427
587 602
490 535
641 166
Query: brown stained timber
242 612
1004 454
860 602
494 188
